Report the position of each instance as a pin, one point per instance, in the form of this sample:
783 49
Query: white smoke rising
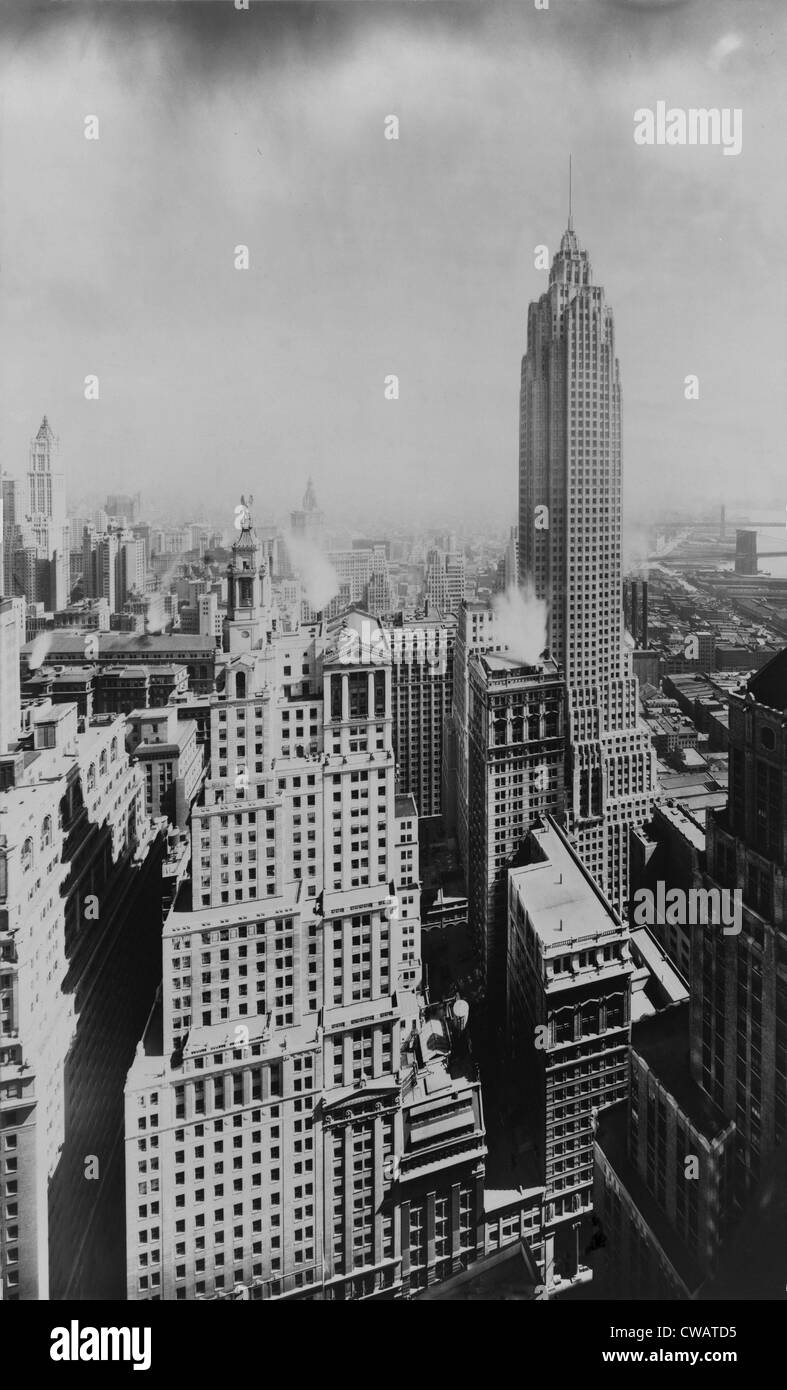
637 546
318 576
39 650
521 624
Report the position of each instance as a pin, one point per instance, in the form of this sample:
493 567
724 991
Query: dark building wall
115 967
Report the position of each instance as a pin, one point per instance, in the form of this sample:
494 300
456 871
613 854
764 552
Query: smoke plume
39 650
319 578
521 624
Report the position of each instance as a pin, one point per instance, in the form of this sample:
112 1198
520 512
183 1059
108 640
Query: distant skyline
370 257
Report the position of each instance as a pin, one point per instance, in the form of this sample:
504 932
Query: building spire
570 216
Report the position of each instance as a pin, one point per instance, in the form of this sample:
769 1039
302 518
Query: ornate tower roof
245 543
45 431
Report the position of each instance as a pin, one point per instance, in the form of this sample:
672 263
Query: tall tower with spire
570 554
250 615
308 524
46 517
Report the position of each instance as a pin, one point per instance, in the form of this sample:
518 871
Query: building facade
569 1026
167 750
516 736
79 895
476 632
422 671
299 1122
10 704
739 980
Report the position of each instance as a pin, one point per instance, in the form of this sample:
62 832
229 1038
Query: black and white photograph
393 669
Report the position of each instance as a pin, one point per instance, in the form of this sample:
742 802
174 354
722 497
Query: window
46 832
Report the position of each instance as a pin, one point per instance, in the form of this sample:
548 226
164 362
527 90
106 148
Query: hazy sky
368 256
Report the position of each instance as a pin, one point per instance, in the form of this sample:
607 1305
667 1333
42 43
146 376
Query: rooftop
561 899
119 642
503 665
683 822
667 982
405 806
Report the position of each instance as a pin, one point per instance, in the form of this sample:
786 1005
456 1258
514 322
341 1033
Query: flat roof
659 965
129 641
561 899
504 664
682 822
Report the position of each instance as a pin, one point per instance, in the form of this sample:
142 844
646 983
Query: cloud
371 257
723 49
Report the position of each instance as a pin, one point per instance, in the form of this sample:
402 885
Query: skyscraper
422 691
663 1220
570 555
445 580
298 1120
308 524
739 980
476 632
113 566
569 1021
46 512
10 518
515 775
9 671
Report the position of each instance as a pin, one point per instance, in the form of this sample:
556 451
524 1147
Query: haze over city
368 256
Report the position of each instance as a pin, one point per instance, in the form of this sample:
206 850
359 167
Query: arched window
27 855
46 832
102 763
240 685
91 777
113 752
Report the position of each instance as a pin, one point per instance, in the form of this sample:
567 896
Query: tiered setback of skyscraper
570 556
299 1121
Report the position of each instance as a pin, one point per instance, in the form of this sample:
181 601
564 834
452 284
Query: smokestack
644 620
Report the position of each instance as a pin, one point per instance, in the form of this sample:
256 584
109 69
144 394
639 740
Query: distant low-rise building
196 653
